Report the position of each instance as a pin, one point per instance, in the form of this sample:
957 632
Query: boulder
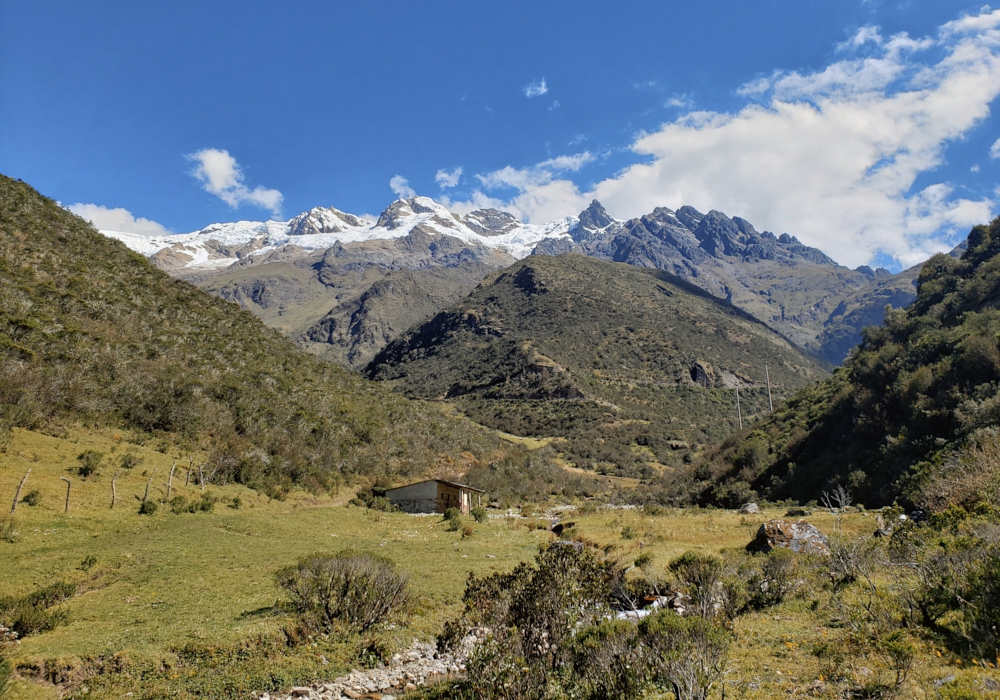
797 513
749 509
799 536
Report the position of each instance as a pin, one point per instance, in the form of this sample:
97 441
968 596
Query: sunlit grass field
159 586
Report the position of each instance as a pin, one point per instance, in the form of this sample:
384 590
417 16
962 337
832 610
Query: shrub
129 460
479 514
32 498
237 503
89 462
353 590
452 514
773 578
698 575
607 660
7 639
88 562
467 531
30 614
147 508
687 655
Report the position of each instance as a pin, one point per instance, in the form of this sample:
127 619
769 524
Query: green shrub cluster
918 390
351 591
33 613
551 633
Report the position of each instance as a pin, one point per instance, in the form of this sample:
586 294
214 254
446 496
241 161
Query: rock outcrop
797 536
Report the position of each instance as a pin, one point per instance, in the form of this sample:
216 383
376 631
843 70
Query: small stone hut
434 496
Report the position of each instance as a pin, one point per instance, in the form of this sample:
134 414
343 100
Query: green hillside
634 368
94 334
919 391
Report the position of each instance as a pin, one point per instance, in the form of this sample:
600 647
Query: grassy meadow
183 605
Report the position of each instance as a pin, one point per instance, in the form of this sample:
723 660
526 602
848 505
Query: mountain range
633 370
343 287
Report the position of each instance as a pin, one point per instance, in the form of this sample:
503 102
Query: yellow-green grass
166 581
163 581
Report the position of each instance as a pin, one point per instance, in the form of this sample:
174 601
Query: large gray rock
749 509
799 536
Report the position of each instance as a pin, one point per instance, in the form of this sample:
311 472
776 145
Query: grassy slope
93 333
914 392
165 581
204 582
627 339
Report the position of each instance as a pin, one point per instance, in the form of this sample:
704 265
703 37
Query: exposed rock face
490 222
749 509
347 302
594 222
799 536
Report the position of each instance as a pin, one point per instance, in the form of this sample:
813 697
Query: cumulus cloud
117 219
831 156
221 175
536 89
540 195
995 149
448 178
401 187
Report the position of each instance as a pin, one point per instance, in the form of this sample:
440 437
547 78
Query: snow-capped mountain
220 245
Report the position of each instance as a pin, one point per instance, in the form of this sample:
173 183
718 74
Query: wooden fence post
201 476
114 491
17 494
170 479
69 485
146 494
187 472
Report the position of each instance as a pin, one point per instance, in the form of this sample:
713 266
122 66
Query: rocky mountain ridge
794 288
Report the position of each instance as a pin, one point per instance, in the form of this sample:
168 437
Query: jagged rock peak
689 216
324 220
491 222
593 222
395 214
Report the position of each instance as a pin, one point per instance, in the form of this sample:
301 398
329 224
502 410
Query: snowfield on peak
220 245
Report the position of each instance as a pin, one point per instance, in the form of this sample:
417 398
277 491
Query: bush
452 514
32 498
88 562
479 514
7 639
147 508
348 589
687 655
30 614
606 660
129 460
698 575
89 462
467 531
772 579
237 503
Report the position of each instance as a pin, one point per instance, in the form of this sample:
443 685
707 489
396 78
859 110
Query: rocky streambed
419 665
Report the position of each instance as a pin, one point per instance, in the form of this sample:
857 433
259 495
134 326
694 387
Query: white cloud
448 178
222 176
536 89
995 149
117 219
830 156
540 196
401 187
680 101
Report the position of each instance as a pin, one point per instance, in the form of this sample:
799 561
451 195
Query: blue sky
864 128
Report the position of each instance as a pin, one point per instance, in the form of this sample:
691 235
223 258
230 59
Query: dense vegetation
634 368
913 413
93 334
